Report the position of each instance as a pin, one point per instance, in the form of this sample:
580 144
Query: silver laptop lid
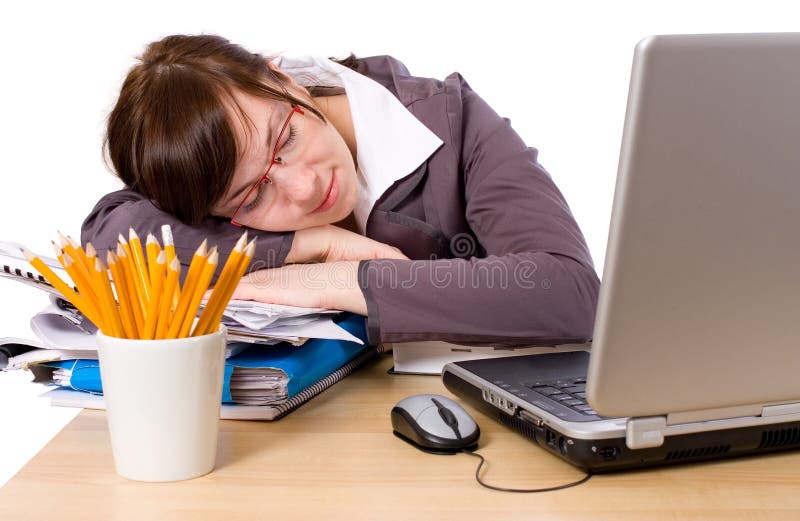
700 301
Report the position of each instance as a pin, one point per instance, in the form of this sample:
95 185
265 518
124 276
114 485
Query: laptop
695 352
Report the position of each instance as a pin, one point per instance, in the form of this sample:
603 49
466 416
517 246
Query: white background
558 70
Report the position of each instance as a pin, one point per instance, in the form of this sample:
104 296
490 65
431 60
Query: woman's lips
330 197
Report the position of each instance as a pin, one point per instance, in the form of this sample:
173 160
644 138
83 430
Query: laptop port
608 453
550 438
530 418
499 402
562 445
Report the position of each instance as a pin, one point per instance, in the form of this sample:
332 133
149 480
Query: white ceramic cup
163 401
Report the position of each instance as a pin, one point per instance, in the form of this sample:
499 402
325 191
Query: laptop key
573 402
561 397
547 391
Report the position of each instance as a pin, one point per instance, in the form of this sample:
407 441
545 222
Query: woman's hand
330 243
330 285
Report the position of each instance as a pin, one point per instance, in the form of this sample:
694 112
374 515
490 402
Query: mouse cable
525 490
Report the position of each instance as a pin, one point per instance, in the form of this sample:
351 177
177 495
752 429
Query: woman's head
190 131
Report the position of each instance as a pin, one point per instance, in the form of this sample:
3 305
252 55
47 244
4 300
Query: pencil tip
240 244
64 241
132 234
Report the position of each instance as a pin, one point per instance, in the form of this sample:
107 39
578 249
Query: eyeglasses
252 195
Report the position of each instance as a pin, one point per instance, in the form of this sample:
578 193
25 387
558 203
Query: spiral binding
315 389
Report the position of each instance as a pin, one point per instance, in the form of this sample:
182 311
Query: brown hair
171 134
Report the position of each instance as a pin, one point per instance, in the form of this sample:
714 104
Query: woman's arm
118 211
331 285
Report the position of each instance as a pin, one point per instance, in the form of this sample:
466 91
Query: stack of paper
258 386
257 322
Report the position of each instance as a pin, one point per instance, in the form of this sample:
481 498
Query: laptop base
612 454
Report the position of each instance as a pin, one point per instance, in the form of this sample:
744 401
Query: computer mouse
435 424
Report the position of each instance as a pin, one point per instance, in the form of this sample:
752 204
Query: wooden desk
336 458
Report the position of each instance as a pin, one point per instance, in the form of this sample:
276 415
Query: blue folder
304 365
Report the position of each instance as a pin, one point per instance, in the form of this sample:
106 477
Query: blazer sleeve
535 284
118 211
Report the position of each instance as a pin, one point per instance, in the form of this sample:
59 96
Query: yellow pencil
90 255
165 312
63 288
137 256
84 291
202 285
226 290
157 284
227 271
130 284
79 280
123 296
169 247
136 280
153 249
78 256
195 269
107 302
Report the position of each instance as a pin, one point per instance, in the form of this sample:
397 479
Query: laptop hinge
779 410
649 431
646 432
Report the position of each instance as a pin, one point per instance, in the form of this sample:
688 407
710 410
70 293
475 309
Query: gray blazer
496 255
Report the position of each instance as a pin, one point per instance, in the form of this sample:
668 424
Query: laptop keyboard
570 392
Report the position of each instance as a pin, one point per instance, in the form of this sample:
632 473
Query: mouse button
432 422
415 404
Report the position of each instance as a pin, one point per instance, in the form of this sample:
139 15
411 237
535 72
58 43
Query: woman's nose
294 182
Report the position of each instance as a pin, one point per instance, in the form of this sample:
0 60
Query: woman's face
314 184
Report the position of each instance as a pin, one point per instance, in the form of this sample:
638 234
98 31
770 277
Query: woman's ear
288 79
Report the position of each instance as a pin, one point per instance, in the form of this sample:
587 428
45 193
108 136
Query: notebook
694 354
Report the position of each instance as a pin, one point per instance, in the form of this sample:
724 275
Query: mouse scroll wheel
448 417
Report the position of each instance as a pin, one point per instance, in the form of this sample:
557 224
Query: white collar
391 142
